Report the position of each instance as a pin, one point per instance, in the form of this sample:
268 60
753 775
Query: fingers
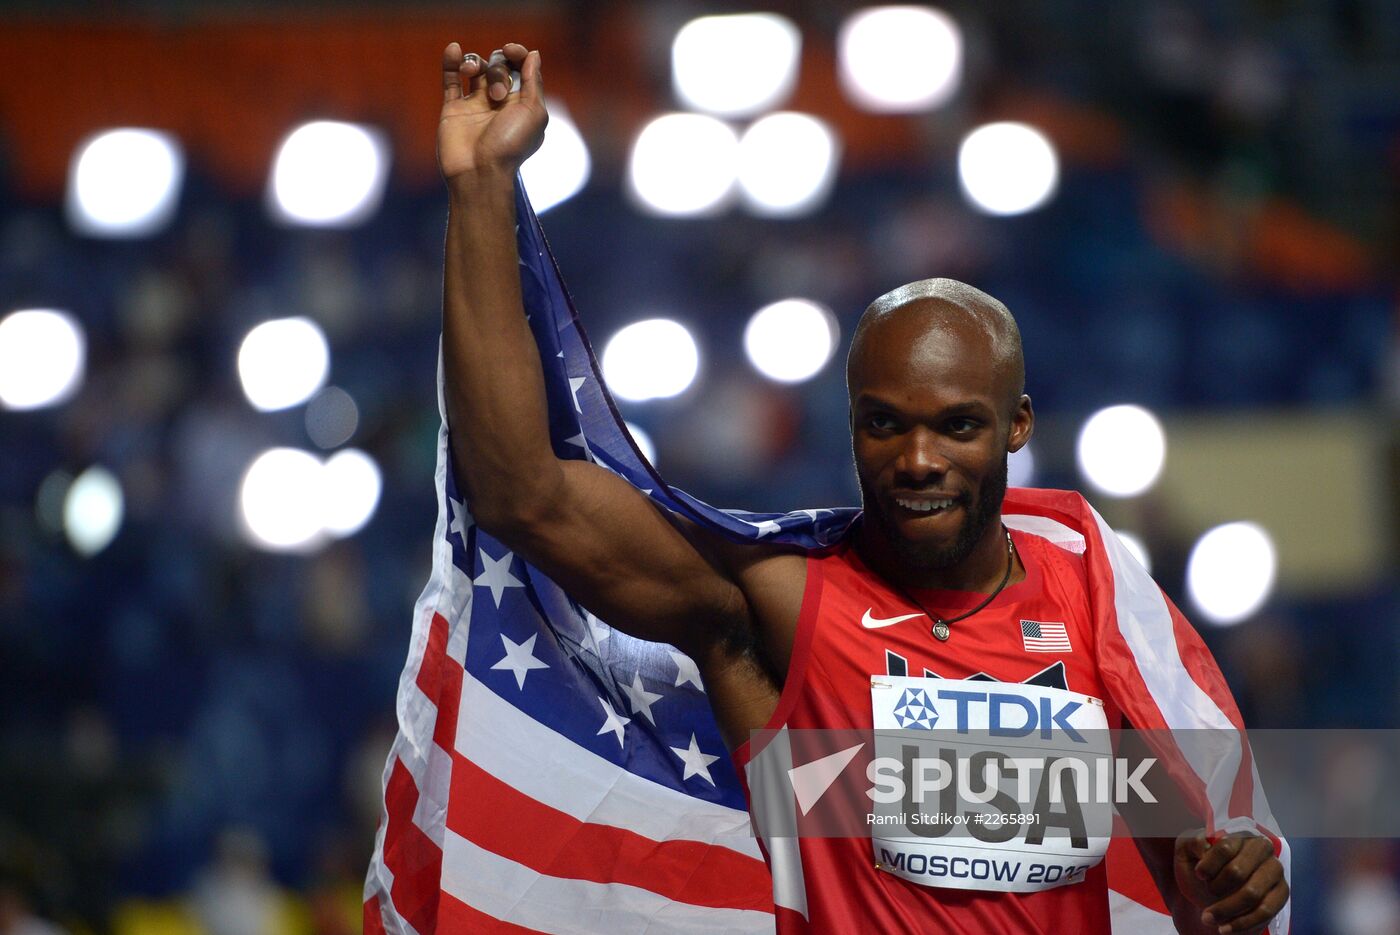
474 69
1231 860
531 79
515 54
498 80
1191 847
451 72
472 74
1264 885
1268 907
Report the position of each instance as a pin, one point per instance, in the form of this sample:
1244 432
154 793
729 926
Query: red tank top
831 885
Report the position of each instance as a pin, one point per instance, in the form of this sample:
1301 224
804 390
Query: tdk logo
914 711
1008 715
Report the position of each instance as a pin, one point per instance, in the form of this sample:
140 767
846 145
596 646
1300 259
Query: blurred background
220 268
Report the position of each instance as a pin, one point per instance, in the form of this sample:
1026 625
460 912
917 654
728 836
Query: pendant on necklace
941 630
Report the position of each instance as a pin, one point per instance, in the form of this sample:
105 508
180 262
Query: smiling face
935 379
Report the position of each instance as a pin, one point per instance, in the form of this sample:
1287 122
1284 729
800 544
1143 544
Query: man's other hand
1237 881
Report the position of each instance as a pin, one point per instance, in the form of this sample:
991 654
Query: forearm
494 388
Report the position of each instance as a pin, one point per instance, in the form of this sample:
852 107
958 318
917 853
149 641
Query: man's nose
920 460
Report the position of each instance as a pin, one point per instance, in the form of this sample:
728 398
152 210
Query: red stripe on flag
1127 871
411 856
374 920
491 814
457 916
440 678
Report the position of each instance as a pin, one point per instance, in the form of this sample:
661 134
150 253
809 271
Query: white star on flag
574 384
641 699
520 658
765 527
495 574
461 520
613 722
686 670
597 632
581 442
696 763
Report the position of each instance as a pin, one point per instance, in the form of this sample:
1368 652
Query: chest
1042 635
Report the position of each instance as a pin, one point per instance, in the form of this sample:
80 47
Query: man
937 404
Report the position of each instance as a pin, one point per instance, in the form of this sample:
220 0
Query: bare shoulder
745 671
772 579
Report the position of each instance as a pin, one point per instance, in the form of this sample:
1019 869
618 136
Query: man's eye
963 426
882 423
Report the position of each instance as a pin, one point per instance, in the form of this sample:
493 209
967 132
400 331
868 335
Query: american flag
1038 636
552 774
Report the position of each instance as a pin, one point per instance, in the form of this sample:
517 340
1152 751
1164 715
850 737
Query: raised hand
484 126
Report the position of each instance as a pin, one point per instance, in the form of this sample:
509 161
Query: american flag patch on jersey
1037 636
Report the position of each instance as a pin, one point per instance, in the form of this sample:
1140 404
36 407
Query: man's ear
1022 424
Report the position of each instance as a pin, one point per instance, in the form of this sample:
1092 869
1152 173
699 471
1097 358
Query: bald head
930 311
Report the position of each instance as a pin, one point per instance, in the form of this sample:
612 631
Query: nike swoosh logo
875 623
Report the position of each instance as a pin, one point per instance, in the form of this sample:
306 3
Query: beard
924 557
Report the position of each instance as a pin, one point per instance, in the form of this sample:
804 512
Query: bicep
609 546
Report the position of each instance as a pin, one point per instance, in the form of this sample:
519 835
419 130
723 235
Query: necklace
942 626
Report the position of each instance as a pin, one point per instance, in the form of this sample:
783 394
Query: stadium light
787 164
652 359
92 510
350 488
1007 168
791 340
124 183
41 358
280 500
1138 548
735 65
328 174
560 167
900 59
1230 573
643 441
683 164
283 362
292 501
1121 450
1020 467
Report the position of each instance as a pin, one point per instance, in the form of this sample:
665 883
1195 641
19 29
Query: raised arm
588 529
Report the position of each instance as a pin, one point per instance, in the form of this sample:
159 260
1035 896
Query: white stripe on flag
1048 646
1146 624
779 798
511 746
1129 917
1047 528
507 890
